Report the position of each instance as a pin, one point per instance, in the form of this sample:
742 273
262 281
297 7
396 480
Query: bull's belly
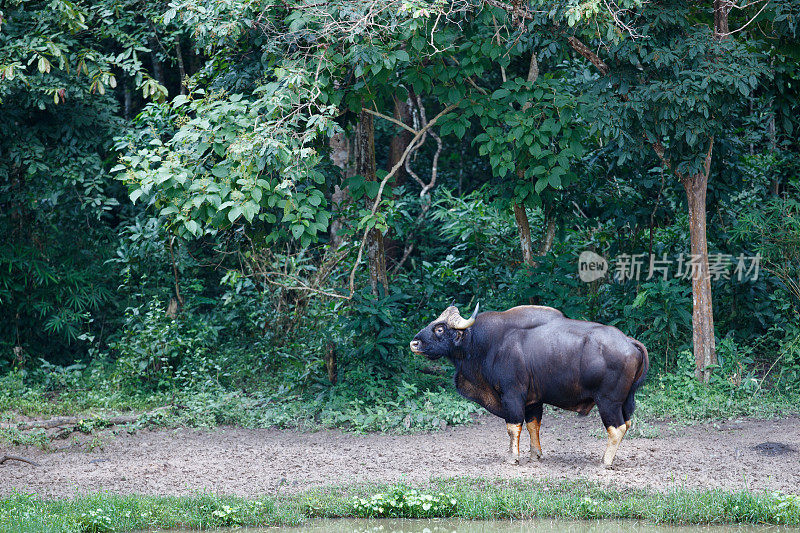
582 407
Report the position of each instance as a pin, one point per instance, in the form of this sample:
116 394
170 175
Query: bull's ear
459 337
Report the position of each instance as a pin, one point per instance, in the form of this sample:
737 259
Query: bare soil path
754 454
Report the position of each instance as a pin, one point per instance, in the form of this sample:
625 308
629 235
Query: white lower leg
615 435
514 431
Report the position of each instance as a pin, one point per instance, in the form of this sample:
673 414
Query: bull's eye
439 329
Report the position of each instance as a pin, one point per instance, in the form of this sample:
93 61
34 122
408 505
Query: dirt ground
754 454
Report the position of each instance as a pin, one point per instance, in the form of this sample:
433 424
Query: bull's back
574 360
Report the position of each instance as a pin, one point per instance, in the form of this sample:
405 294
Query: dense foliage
249 208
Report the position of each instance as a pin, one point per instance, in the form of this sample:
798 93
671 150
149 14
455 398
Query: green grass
682 399
476 499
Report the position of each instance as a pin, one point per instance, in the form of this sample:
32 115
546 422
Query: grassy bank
477 499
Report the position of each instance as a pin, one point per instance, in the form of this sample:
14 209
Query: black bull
513 362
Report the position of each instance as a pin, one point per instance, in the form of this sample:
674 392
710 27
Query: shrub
405 503
95 521
786 507
154 345
376 339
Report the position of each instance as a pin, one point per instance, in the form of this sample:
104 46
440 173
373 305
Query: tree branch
707 162
476 86
300 285
434 164
175 272
390 119
418 116
470 80
660 152
385 180
70 421
748 22
423 121
584 50
17 458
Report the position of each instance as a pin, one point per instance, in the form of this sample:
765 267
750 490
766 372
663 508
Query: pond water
508 526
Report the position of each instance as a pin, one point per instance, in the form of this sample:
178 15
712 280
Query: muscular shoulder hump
529 316
541 308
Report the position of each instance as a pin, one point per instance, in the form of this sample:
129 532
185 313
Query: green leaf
192 226
355 182
499 94
371 188
249 210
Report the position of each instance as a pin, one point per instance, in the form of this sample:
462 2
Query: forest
244 210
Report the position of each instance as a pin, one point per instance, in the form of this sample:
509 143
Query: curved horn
457 322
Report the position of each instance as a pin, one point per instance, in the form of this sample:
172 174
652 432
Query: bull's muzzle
416 346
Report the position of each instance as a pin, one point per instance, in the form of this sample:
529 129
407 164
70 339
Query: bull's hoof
536 457
513 460
608 466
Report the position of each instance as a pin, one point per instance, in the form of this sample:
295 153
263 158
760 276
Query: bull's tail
644 365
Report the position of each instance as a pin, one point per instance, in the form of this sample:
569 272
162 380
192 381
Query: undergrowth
371 404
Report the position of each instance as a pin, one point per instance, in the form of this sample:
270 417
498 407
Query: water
509 526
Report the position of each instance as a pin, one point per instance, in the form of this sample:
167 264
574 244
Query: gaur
513 362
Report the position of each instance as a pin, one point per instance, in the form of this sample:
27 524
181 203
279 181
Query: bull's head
444 335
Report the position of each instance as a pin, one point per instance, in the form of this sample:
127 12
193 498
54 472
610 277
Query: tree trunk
341 152
702 311
773 147
393 248
365 166
521 216
524 229
549 233
721 10
696 186
194 60
330 362
377 262
400 140
175 273
128 106
181 68
158 66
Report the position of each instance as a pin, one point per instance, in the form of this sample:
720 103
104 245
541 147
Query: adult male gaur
513 362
